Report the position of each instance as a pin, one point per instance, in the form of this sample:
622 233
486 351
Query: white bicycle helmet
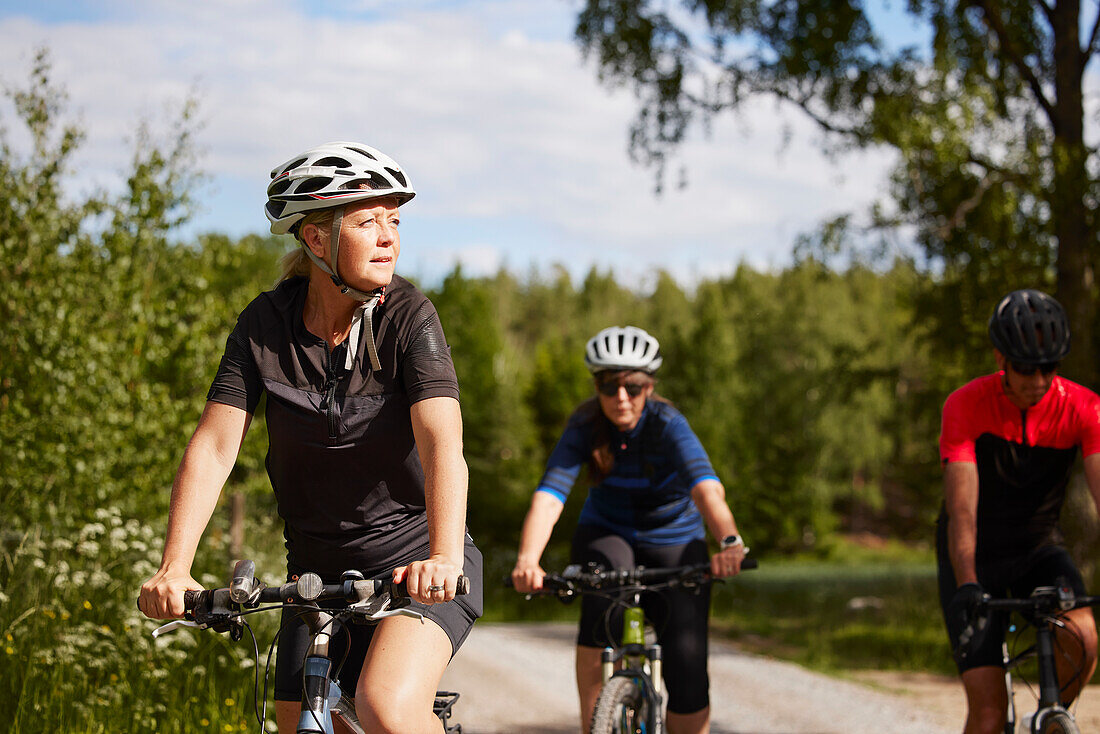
622 348
331 175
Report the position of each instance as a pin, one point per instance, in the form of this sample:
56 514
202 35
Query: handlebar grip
195 598
401 590
749 563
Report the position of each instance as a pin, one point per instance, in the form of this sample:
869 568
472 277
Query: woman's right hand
162 595
527 576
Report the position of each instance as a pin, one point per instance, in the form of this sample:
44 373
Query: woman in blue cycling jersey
651 489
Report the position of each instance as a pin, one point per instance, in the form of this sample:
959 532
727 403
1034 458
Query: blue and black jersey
647 497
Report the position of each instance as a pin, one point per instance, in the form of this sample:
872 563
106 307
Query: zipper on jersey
1023 426
328 399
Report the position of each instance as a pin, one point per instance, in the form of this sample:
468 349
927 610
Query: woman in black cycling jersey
652 488
365 436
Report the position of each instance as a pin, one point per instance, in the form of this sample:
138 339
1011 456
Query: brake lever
402 612
174 625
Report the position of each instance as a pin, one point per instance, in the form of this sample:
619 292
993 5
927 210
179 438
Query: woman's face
369 243
622 397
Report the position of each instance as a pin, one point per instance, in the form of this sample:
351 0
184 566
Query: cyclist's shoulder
275 305
661 415
405 303
1079 401
1074 392
981 392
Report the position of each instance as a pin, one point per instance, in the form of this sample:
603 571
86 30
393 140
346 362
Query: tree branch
994 22
822 122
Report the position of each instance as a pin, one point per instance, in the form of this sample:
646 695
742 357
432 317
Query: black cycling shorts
456 618
679 616
1012 576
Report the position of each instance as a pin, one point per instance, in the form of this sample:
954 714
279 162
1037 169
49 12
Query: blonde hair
296 262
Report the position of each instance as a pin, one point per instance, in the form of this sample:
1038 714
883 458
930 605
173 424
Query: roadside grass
834 616
76 655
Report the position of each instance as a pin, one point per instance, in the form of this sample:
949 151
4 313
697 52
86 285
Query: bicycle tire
623 708
1058 722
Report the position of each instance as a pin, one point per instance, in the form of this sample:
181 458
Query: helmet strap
334 247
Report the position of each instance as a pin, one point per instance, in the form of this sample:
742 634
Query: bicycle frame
1049 690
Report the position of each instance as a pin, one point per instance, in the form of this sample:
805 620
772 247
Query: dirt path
519 678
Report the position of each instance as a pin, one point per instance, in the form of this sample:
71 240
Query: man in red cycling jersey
1008 445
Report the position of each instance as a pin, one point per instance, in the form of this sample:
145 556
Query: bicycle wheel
622 708
1058 722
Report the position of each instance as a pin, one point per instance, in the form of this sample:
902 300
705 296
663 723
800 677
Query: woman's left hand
430 581
727 562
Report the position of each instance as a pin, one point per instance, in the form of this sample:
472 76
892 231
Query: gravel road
519 678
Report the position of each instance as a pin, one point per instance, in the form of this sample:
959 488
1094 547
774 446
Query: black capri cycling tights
679 616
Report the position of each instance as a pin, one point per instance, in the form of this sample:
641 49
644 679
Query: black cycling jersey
1024 457
341 457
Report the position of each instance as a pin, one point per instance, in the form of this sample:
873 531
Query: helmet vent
278 187
398 175
360 151
333 161
275 208
311 185
372 181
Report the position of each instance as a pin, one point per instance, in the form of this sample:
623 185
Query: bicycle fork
1010 717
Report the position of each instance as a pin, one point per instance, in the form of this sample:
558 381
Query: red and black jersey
1024 457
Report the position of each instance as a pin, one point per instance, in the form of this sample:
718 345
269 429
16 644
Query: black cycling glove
964 607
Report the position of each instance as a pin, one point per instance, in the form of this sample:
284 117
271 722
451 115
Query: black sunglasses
611 389
1027 370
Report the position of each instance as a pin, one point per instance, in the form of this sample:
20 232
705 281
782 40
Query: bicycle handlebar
1043 601
246 591
573 580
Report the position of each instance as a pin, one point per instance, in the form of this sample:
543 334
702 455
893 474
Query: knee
388 714
1080 631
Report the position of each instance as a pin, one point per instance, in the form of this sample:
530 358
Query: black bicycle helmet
1029 327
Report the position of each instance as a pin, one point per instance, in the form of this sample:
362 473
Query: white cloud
488 106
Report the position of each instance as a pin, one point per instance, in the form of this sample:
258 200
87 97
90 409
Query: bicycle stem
316 692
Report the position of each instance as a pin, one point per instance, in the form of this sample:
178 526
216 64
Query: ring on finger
433 588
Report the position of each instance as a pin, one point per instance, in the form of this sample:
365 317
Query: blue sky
518 154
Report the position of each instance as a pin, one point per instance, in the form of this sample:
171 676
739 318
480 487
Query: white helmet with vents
622 348
331 175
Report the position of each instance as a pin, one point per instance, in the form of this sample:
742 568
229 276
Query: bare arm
710 498
537 527
960 488
437 427
206 464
